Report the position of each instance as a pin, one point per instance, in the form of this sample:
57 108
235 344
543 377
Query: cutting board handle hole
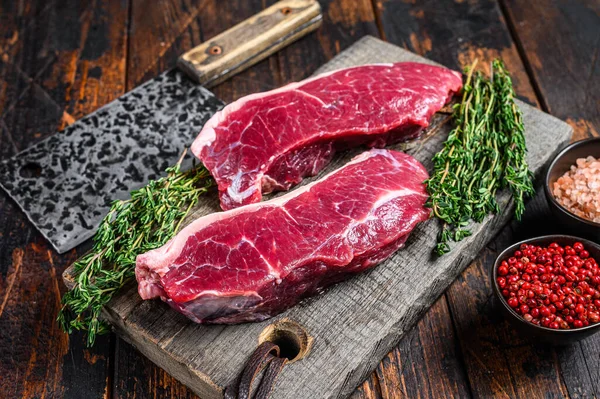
31 169
293 339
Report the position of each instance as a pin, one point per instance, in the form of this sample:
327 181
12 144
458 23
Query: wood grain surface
272 29
49 77
354 324
61 59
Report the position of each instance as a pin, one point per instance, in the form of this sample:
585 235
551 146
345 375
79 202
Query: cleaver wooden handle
250 41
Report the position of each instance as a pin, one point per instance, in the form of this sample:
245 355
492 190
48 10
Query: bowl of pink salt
572 187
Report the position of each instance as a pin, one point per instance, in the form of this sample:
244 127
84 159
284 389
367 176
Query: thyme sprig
484 152
517 176
146 221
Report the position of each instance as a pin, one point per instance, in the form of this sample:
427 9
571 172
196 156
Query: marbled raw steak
252 262
270 141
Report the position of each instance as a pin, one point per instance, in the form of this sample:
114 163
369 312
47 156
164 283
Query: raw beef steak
270 141
255 261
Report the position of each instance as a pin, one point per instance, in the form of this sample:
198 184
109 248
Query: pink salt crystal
578 190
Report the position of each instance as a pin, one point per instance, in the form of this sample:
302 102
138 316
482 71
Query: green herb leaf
146 221
484 152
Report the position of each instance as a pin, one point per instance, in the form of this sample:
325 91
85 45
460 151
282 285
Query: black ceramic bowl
561 164
532 331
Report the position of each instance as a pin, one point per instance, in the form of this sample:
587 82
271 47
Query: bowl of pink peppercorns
549 287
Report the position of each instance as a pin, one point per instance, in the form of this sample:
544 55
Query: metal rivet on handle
286 10
215 50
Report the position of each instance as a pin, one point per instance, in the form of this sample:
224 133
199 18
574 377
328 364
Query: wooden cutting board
353 324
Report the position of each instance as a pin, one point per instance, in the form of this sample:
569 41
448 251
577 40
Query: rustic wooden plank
480 30
468 30
13 84
561 51
155 383
76 69
368 389
454 33
344 22
16 17
579 368
427 363
355 323
3 147
161 32
575 378
37 359
51 57
292 63
499 362
560 43
577 363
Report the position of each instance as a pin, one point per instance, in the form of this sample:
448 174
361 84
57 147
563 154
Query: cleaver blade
66 183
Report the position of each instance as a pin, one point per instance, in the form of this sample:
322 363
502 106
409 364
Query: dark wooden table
60 60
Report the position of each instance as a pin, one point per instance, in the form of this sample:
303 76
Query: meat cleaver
65 183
